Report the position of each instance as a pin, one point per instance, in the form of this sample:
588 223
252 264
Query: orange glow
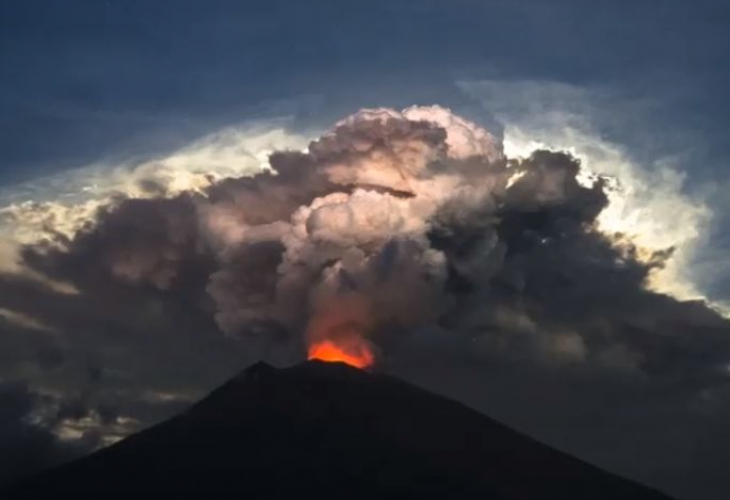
357 354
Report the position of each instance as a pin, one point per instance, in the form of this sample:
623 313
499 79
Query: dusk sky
581 298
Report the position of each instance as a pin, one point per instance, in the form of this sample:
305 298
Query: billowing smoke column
339 237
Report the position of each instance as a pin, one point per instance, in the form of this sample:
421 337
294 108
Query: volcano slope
327 430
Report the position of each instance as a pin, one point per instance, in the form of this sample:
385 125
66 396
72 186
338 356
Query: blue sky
90 79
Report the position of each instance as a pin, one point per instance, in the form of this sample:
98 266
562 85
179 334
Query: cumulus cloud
416 234
649 205
62 204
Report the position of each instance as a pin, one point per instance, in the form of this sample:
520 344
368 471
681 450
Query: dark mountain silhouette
327 430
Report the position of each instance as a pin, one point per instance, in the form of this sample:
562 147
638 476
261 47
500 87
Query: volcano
324 430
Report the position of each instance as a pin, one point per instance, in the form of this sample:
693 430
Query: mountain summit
327 430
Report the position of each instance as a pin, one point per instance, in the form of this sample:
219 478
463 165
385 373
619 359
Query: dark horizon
326 429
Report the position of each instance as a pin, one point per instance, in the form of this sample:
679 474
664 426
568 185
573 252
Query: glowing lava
358 355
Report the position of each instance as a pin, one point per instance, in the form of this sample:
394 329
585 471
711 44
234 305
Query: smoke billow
415 216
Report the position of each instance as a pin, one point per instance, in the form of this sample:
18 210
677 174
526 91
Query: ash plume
418 214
